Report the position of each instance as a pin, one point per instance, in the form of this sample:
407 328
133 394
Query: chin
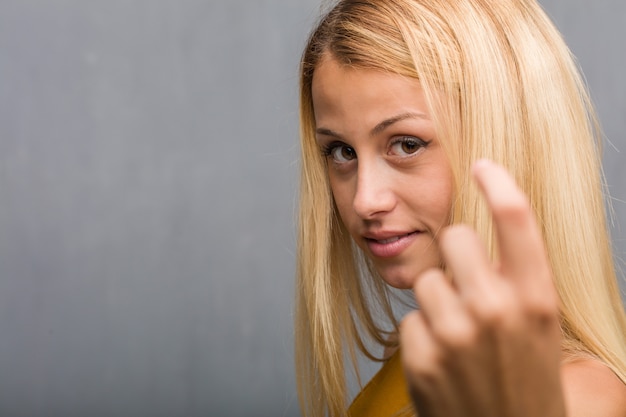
401 272
397 278
403 275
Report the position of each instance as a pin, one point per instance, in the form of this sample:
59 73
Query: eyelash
420 143
327 150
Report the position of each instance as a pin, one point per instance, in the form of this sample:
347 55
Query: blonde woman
449 148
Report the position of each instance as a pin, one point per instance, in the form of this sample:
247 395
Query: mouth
391 239
390 246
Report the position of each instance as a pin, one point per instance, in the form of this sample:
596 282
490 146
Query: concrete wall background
148 162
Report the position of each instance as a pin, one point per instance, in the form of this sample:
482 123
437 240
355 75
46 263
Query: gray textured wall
147 180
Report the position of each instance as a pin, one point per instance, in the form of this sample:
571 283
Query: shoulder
592 389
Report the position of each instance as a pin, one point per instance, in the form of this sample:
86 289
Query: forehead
339 90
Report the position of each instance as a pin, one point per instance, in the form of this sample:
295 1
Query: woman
404 103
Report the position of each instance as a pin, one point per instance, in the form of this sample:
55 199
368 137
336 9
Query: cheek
343 195
442 199
430 197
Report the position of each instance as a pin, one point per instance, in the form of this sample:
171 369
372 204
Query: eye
340 152
407 145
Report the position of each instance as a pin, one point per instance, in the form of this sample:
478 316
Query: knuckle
457 336
543 309
424 369
515 209
491 309
427 282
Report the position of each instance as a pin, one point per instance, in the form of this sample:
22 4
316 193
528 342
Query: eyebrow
388 122
380 126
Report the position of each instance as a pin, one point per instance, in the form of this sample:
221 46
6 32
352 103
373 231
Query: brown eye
342 153
410 146
407 145
347 153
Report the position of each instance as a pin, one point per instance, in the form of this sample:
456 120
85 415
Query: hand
487 343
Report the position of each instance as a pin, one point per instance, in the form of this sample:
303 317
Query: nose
374 193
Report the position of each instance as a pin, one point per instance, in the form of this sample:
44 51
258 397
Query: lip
390 244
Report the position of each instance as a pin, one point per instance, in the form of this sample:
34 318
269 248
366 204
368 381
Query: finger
418 350
466 258
520 244
420 358
443 310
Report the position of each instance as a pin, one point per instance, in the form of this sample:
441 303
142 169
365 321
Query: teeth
390 240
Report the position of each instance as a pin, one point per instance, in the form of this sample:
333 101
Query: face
389 176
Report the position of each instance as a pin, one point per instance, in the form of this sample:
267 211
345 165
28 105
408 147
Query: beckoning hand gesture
487 342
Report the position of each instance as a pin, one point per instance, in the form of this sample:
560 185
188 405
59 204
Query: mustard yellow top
385 395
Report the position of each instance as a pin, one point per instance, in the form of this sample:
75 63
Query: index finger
520 245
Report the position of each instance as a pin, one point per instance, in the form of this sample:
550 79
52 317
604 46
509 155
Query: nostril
374 187
370 201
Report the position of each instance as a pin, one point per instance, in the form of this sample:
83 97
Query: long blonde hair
511 93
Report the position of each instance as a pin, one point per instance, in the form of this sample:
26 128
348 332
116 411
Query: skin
488 344
487 341
389 176
493 332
